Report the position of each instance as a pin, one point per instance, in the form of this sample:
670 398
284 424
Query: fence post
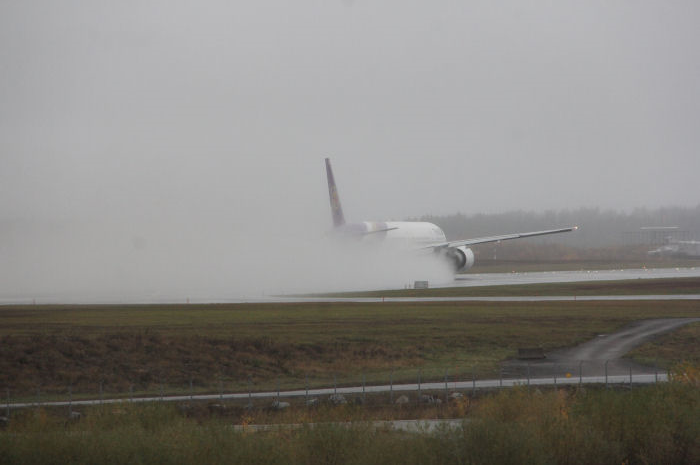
250 395
446 393
500 377
7 391
191 393
221 389
363 387
101 394
580 372
419 391
656 371
335 384
278 389
306 397
528 374
606 374
473 382
70 401
391 386
38 397
131 393
160 387
630 376
555 376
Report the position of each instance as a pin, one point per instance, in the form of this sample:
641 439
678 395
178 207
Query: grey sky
228 108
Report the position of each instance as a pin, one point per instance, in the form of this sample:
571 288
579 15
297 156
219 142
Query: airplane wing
504 237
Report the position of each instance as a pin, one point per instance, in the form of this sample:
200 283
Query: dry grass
682 344
165 346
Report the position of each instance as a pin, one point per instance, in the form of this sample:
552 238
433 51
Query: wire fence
396 387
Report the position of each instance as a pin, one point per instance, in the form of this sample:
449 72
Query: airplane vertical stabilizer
336 209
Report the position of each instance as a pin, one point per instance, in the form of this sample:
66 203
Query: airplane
676 248
418 234
671 246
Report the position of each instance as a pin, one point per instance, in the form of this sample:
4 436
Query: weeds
654 424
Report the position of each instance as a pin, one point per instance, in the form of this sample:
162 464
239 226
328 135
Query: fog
105 262
173 149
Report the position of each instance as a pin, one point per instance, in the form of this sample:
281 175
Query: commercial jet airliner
417 234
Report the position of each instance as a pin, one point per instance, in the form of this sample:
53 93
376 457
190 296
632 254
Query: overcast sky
177 147
229 108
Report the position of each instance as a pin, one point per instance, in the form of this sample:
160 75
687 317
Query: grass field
158 348
664 286
681 344
165 346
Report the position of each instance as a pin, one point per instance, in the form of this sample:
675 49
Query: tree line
597 227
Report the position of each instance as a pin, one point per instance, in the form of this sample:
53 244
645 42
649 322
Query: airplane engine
462 258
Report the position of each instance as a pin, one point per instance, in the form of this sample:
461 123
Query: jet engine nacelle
462 258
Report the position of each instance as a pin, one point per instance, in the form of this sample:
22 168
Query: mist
167 149
171 261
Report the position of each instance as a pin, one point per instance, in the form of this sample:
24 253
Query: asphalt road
603 353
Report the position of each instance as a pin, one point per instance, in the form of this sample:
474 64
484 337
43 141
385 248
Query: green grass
655 424
681 344
52 348
663 286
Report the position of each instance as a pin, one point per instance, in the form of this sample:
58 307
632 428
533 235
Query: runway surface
466 280
544 298
292 299
538 277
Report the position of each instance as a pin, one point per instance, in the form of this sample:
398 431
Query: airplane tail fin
336 209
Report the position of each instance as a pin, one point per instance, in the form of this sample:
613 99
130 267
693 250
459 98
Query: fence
427 386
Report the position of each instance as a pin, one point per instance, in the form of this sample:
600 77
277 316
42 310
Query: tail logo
336 209
335 201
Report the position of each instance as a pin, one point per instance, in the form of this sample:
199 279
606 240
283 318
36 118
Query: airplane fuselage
417 233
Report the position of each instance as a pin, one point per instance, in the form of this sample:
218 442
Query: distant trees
597 227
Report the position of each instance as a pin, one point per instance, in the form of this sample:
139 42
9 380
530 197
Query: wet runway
466 280
539 277
148 300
